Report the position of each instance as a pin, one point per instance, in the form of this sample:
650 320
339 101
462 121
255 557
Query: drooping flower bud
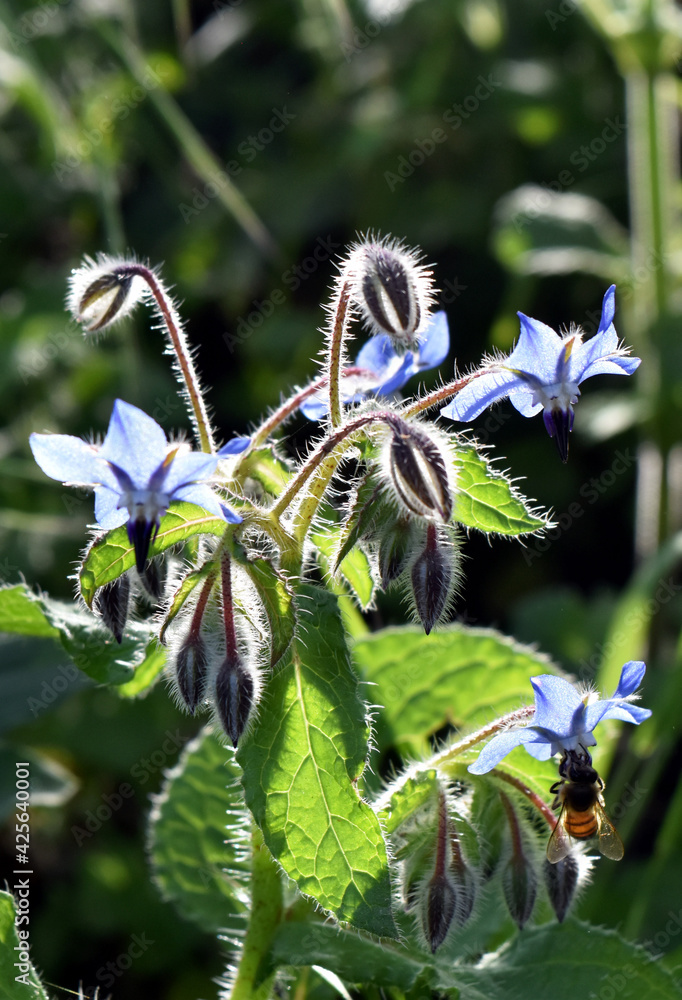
392 289
561 880
519 878
463 879
191 671
234 696
103 291
418 470
112 603
439 909
520 885
433 576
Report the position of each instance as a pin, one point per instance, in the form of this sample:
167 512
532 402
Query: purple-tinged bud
463 879
103 291
561 880
191 671
234 695
393 291
112 603
419 472
439 910
520 885
432 578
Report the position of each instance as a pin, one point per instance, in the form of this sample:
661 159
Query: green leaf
362 511
396 806
355 568
30 987
146 672
565 962
486 500
352 958
459 675
21 614
543 232
267 468
112 554
198 838
301 760
89 644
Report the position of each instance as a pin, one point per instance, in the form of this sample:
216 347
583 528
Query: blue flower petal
558 706
70 460
315 407
539 350
523 400
608 309
434 342
631 676
188 468
202 496
480 393
108 514
499 746
134 442
235 446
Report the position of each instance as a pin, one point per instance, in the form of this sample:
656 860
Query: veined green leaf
112 554
459 675
301 759
198 837
21 613
486 500
267 468
355 567
276 597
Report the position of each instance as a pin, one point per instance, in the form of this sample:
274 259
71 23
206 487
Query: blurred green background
243 145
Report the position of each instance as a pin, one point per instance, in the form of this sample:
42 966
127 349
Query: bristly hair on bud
420 468
191 671
103 291
391 287
235 696
112 602
432 577
566 878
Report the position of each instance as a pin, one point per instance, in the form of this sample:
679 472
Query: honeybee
582 809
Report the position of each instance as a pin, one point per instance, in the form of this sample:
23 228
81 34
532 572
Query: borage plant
274 828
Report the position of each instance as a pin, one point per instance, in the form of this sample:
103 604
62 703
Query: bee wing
559 844
610 844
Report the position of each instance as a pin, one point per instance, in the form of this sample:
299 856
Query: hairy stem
336 345
532 796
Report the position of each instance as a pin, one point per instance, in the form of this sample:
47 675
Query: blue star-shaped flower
543 372
136 474
565 720
380 370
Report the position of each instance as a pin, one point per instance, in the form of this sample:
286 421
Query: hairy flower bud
153 579
191 671
112 603
432 577
561 880
395 544
439 909
520 885
464 882
392 289
234 695
419 472
103 291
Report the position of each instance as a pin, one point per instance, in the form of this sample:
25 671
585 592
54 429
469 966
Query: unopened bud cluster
102 292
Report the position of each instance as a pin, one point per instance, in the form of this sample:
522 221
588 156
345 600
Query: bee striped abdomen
581 825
